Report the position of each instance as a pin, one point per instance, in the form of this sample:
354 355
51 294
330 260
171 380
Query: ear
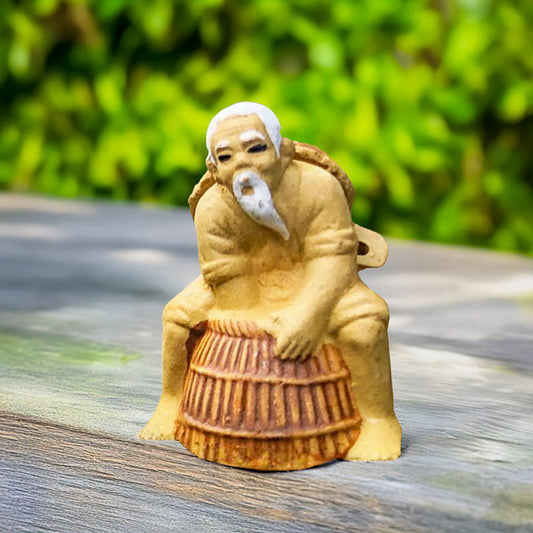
286 150
287 147
212 168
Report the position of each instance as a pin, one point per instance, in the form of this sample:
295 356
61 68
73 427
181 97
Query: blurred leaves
427 105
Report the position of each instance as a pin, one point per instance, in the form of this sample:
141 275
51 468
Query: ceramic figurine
277 356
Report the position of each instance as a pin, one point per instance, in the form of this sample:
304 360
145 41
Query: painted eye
257 148
223 158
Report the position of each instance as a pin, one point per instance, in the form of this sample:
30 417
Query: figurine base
242 406
255 453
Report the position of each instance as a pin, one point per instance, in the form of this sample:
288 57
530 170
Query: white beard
255 199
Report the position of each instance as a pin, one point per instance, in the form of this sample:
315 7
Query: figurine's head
248 155
269 123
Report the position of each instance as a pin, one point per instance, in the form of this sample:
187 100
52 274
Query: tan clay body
294 277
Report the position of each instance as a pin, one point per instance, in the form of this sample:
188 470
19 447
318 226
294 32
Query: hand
297 334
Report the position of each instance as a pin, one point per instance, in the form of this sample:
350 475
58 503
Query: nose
240 161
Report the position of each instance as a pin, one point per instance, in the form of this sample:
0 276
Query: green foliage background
428 105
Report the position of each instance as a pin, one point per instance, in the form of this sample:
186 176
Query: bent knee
363 333
367 326
360 303
189 307
380 310
178 312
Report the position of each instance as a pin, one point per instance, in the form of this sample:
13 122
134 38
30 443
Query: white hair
267 116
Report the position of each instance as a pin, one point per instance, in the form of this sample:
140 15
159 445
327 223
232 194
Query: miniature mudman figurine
277 356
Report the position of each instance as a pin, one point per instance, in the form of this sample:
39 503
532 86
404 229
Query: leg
181 314
361 333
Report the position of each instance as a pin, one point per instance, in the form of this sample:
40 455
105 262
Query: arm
329 253
220 254
307 318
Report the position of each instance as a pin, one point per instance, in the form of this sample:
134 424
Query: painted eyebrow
221 145
251 135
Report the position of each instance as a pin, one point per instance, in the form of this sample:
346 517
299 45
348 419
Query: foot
162 425
380 440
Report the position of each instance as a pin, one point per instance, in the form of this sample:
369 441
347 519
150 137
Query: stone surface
82 288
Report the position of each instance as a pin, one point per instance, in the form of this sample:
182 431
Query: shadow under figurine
277 356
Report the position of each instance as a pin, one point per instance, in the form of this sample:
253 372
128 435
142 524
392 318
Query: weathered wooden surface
82 287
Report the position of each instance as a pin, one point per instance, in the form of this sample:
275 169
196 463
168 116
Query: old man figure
278 249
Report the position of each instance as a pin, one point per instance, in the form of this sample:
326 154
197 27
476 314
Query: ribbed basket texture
243 406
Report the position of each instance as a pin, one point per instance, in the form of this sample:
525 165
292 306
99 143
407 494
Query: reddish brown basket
242 406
